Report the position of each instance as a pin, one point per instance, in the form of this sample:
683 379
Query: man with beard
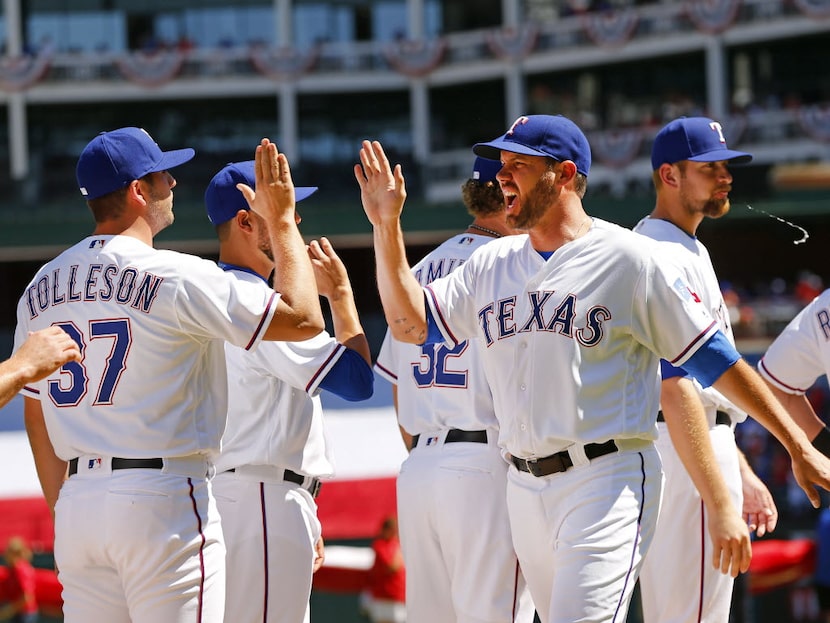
455 475
574 318
678 583
274 449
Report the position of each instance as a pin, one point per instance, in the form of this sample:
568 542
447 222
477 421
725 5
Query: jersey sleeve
668 316
451 302
350 377
301 364
214 303
386 363
800 354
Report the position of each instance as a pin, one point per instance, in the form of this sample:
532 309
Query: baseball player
454 477
42 353
574 318
795 360
691 163
274 449
136 424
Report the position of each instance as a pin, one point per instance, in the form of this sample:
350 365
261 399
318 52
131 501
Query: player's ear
244 220
135 192
668 174
567 171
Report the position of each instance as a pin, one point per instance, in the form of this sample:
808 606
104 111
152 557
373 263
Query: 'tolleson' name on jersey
125 286
497 317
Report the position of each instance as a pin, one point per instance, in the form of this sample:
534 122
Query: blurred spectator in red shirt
808 287
19 588
386 589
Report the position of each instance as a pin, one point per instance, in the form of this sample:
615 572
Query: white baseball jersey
800 354
275 422
690 590
444 488
694 262
572 343
458 395
151 325
140 544
274 412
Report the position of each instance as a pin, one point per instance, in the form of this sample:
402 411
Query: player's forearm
294 280
689 430
50 468
400 293
347 328
12 379
743 386
800 410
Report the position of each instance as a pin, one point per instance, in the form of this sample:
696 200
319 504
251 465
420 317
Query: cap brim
174 158
301 192
730 155
493 149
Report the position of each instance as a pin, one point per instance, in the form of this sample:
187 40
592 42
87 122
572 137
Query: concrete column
717 91
511 13
514 84
415 18
16 111
282 17
419 103
289 122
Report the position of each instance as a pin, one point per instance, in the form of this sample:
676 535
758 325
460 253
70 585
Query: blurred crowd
763 309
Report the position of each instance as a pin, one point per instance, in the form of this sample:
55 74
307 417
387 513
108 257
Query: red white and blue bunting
20 72
284 63
616 148
712 16
815 120
415 58
151 69
611 28
814 8
513 44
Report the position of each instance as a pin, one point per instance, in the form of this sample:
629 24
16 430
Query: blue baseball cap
485 170
698 139
541 135
112 160
224 200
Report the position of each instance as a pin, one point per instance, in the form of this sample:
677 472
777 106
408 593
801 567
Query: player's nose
171 181
724 173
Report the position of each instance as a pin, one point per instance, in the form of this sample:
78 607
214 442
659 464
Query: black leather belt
456 435
298 479
117 463
721 418
561 461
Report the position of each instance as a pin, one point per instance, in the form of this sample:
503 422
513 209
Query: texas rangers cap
112 160
484 170
223 199
541 135
699 139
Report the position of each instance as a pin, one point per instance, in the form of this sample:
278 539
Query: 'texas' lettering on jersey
546 314
125 286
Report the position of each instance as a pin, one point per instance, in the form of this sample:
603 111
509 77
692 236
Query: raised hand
274 195
382 189
329 270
